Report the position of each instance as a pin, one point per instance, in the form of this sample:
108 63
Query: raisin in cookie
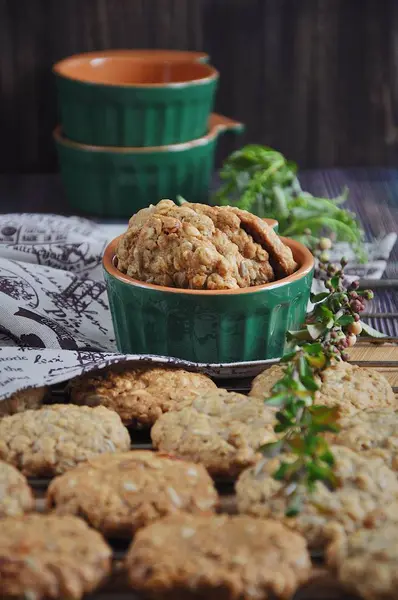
363 483
138 395
46 557
217 557
366 561
350 387
119 493
30 398
187 247
55 438
16 497
222 430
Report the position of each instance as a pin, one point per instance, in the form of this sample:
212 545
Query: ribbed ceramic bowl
122 99
203 325
117 182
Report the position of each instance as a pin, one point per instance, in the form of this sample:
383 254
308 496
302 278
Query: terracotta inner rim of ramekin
301 255
134 71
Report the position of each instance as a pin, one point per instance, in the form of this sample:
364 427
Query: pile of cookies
198 246
166 501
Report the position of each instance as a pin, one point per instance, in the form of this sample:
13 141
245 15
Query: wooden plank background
317 79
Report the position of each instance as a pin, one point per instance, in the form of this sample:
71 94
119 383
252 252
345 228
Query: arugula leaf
260 179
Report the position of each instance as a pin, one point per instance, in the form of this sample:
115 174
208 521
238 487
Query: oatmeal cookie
120 493
386 512
246 231
355 388
350 387
55 438
366 561
373 432
138 395
219 557
191 247
44 557
16 497
222 430
264 382
281 257
363 484
29 398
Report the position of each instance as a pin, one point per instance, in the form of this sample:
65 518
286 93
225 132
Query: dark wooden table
373 197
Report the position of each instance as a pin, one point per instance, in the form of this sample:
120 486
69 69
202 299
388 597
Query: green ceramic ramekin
208 326
117 182
121 99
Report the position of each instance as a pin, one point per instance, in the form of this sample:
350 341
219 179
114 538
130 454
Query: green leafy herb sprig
261 180
329 329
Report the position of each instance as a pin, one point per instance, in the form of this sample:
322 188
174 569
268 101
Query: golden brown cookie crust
252 229
46 556
355 388
222 430
120 493
264 382
28 399
218 557
364 484
350 387
192 246
139 395
53 439
365 561
281 257
16 497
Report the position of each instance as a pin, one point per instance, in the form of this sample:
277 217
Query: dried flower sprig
329 329
335 320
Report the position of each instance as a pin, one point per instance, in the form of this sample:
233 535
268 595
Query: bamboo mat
381 356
